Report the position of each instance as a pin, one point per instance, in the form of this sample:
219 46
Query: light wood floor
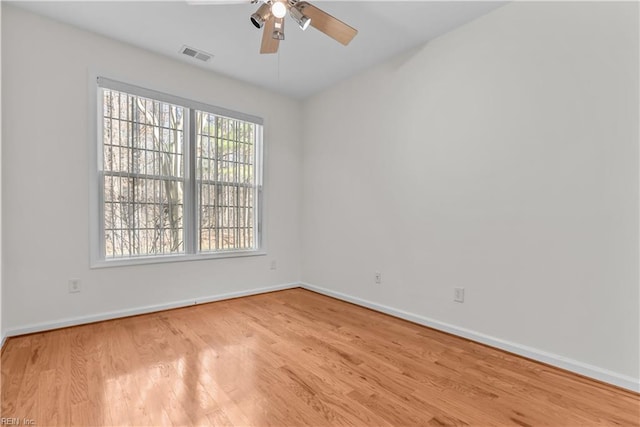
288 358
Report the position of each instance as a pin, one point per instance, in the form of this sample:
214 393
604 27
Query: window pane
143 147
225 155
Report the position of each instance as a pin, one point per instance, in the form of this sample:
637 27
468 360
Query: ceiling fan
271 16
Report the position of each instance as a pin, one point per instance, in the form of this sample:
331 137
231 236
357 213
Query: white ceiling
307 62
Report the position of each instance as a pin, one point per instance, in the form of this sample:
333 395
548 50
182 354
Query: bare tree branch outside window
145 145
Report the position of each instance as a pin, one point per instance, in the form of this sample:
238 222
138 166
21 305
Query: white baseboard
581 368
75 321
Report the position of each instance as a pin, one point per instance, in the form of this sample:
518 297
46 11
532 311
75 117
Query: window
176 179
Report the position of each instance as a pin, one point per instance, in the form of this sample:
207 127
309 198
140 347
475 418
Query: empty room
319 213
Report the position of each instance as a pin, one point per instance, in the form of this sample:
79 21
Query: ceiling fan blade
269 44
322 21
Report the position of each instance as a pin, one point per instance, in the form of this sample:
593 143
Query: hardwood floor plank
289 358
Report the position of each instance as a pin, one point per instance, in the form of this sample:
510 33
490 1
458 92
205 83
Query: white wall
502 158
1 273
45 73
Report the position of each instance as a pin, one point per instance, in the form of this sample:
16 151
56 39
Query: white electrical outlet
378 278
458 294
274 265
74 286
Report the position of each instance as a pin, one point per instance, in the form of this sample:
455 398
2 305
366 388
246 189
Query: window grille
226 181
176 177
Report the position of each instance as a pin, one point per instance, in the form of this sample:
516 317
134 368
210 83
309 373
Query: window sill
144 260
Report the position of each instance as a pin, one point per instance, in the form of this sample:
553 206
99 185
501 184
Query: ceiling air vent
195 53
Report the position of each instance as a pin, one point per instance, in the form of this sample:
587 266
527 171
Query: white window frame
191 220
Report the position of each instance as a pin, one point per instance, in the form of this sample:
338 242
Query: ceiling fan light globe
304 23
278 9
257 20
301 19
261 15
